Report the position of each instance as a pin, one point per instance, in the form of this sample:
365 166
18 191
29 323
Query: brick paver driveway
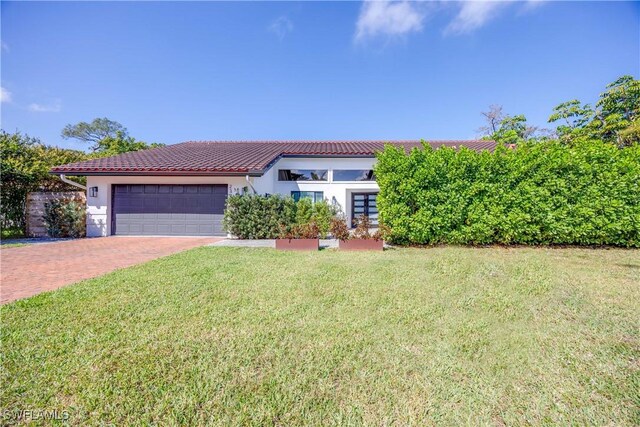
29 270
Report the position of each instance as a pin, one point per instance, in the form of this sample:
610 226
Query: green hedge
543 193
253 216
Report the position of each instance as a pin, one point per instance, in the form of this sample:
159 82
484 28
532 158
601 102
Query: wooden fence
35 208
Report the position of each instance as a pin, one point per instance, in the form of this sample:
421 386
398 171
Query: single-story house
181 189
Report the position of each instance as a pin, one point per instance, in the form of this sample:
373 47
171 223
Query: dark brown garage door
168 210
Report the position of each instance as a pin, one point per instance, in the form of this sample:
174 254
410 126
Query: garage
168 210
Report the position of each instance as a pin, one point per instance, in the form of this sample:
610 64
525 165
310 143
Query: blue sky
173 71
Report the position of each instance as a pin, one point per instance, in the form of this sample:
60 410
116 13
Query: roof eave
153 173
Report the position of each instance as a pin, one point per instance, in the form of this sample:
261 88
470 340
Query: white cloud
389 18
281 27
473 15
55 107
5 95
532 4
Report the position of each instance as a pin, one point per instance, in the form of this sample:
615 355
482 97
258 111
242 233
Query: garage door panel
150 209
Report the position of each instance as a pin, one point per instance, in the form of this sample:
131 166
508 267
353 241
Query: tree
506 129
493 117
574 115
107 136
94 132
24 165
121 143
616 118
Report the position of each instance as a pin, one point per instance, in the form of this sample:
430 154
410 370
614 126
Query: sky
178 71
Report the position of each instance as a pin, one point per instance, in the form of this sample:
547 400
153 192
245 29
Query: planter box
361 245
298 244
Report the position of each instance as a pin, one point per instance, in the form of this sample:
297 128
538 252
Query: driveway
28 270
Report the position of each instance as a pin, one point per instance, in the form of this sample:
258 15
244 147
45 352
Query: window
302 175
353 175
315 196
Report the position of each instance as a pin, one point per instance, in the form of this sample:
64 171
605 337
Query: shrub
538 193
339 228
382 233
304 211
252 216
323 213
362 227
65 218
309 230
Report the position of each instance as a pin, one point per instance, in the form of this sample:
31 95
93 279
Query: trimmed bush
539 193
253 216
65 218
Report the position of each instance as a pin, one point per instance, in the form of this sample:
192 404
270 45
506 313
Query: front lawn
451 336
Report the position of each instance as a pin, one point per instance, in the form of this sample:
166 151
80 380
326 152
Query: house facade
181 189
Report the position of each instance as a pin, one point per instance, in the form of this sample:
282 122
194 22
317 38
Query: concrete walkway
28 270
268 243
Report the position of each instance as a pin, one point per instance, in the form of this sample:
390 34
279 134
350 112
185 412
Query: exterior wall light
93 191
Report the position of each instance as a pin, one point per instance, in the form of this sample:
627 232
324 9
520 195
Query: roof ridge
244 156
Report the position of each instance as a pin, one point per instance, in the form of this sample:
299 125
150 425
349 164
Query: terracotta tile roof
235 157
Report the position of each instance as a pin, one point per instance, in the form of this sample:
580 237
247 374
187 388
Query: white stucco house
181 189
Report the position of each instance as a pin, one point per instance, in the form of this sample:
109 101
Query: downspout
246 177
68 181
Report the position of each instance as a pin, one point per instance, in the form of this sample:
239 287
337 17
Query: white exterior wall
99 208
338 193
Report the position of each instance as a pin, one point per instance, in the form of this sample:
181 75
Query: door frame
112 197
360 193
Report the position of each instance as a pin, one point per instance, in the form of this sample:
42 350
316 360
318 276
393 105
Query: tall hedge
537 193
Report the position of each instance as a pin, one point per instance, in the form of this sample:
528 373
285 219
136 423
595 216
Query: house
181 189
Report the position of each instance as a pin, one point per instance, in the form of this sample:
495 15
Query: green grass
12 233
450 336
12 245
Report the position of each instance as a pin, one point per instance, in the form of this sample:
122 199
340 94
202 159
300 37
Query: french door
364 204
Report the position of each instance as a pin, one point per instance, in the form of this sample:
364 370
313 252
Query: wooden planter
361 245
298 244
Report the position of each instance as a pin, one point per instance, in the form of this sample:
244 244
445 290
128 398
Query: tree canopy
24 165
25 162
107 137
93 132
614 119
507 129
